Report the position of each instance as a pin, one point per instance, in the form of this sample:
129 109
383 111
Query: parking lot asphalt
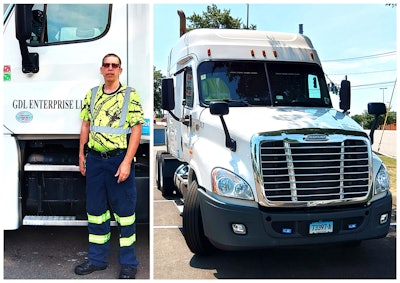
47 252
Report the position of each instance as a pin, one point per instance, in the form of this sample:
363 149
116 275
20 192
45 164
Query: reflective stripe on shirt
111 130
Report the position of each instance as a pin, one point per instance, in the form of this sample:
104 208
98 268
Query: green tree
215 18
392 118
157 75
365 119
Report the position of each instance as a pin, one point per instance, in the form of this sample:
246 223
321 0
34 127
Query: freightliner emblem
316 137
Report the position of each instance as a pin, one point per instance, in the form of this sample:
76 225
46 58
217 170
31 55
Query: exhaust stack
182 23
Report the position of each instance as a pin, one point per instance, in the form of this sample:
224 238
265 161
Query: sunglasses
113 65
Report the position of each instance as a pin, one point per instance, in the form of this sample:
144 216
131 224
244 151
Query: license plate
321 227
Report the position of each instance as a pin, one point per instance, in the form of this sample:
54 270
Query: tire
193 230
159 158
166 166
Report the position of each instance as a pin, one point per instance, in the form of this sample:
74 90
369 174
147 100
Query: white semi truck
52 56
259 153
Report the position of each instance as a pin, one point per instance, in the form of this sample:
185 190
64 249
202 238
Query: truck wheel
164 181
158 168
193 230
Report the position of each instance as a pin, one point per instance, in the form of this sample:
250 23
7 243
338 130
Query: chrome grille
294 171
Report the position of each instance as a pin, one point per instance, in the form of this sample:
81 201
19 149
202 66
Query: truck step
37 220
51 167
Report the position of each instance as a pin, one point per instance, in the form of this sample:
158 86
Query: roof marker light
252 52
209 52
275 53
312 55
264 53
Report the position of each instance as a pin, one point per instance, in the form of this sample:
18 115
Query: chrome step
37 220
48 167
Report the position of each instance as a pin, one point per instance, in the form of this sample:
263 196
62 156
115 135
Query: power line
391 53
373 84
362 73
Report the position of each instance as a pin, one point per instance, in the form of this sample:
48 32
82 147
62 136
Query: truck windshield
263 84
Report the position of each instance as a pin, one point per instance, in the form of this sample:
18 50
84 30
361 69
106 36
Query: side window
314 90
189 88
62 23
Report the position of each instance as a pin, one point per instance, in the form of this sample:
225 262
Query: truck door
67 43
187 138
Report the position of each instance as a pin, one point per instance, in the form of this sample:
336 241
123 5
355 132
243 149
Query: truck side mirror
376 109
23 30
23 21
219 108
167 94
344 95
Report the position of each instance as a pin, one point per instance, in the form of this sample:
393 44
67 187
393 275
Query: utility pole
383 93
247 16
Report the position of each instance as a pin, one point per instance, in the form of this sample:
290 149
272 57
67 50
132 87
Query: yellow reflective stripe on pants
125 221
99 239
99 219
126 242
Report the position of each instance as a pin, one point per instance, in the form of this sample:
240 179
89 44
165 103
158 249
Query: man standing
112 119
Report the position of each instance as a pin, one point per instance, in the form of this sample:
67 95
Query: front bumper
280 227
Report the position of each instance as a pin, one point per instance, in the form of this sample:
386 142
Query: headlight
381 183
228 184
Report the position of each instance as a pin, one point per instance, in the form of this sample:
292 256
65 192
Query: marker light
275 54
209 52
264 53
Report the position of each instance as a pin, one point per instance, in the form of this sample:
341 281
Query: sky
357 40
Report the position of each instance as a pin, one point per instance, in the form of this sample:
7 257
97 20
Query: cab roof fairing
289 47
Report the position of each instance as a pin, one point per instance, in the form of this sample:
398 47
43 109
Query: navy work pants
103 197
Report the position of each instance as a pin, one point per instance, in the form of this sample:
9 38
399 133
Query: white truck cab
257 150
52 57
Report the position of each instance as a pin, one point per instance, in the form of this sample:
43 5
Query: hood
244 122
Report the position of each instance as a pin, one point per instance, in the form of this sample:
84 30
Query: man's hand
83 139
82 165
124 170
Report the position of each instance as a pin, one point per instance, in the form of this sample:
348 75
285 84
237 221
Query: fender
11 193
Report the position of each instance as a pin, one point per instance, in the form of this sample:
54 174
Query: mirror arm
29 60
229 142
371 133
173 115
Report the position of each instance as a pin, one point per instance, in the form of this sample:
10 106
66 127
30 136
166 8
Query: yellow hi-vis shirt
105 114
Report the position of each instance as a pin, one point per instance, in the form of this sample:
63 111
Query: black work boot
87 268
127 272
